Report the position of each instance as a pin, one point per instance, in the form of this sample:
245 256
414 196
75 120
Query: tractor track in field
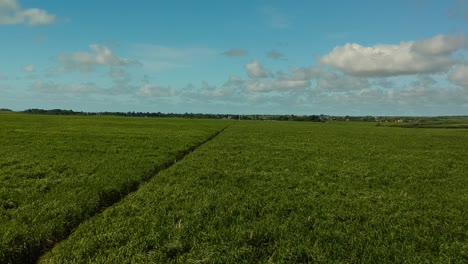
111 197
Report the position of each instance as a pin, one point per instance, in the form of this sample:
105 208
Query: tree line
300 118
309 118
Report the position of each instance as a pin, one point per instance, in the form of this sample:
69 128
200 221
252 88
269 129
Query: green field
57 171
258 192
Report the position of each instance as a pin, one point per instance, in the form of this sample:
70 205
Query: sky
407 57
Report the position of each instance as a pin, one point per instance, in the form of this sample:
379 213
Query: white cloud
235 53
459 75
29 68
440 44
328 80
414 57
255 70
9 5
11 13
85 61
300 78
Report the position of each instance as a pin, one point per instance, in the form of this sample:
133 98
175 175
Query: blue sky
249 57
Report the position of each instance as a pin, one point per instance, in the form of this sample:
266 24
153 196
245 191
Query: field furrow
282 192
56 172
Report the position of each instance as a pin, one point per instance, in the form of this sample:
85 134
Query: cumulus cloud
86 61
235 53
414 57
440 44
301 78
328 80
29 68
276 55
459 75
9 4
11 13
255 70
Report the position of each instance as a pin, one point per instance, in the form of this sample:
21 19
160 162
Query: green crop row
57 171
281 192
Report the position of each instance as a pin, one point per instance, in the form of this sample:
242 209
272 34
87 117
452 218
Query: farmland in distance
56 171
285 192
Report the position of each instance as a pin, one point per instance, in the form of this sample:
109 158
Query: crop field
106 190
57 171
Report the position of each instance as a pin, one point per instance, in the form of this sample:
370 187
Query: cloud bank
414 57
86 61
459 75
11 13
255 70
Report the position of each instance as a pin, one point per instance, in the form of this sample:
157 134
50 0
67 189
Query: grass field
57 171
259 192
285 192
